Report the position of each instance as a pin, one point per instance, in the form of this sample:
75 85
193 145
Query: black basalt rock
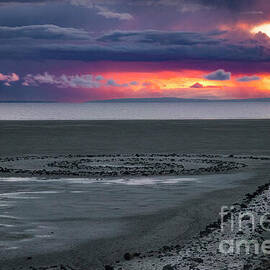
127 256
168 267
108 267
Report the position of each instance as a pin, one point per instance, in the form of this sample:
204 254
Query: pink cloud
9 78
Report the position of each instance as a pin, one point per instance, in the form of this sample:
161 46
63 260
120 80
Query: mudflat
142 136
87 221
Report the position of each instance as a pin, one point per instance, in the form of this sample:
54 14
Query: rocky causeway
120 165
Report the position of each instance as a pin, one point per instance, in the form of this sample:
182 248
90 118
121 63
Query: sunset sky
79 50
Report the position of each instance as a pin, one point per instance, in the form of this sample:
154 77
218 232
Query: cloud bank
139 46
50 32
163 37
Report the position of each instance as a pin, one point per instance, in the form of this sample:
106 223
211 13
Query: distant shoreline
168 100
144 100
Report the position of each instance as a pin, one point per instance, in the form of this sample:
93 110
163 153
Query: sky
80 50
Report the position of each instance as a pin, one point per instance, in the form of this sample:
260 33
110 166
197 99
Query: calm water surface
129 111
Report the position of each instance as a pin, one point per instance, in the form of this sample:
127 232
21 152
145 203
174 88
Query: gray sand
178 219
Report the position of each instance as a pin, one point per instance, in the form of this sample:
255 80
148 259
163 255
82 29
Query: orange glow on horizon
179 84
164 79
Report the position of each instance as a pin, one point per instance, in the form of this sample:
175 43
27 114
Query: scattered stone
108 267
127 256
197 260
168 267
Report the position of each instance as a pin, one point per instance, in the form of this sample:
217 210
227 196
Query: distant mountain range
173 99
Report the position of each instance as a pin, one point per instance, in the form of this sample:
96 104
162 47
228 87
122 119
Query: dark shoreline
251 262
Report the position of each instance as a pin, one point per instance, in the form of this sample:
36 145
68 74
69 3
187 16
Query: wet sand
158 227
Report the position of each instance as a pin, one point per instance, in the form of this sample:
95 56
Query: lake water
130 111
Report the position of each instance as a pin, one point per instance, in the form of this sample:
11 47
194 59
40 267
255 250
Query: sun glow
265 28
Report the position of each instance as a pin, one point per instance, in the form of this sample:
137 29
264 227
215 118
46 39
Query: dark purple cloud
163 37
232 4
218 75
112 82
248 78
51 32
25 1
147 45
132 51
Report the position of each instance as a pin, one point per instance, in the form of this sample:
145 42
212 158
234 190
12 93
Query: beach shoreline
204 250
